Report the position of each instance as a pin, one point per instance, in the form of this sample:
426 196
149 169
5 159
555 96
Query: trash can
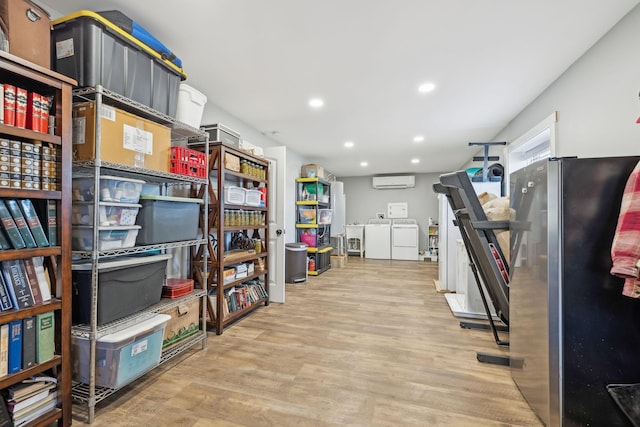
295 263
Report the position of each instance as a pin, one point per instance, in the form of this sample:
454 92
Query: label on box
139 348
108 113
64 49
138 140
79 125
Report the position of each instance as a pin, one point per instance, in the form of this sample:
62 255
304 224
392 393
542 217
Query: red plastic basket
185 161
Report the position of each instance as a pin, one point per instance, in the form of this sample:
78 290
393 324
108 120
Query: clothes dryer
405 239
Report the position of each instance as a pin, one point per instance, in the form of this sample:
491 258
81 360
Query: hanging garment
625 249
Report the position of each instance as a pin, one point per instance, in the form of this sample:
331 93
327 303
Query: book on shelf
32 278
45 336
47 211
36 410
18 405
10 227
4 243
30 386
33 222
28 342
42 277
4 350
33 111
15 346
5 296
19 289
21 108
9 104
5 417
21 223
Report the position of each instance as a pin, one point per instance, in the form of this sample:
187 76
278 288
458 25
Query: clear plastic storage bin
109 238
123 356
109 213
112 189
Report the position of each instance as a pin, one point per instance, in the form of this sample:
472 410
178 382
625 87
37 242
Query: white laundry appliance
405 239
377 239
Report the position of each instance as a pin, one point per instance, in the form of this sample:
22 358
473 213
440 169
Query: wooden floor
371 344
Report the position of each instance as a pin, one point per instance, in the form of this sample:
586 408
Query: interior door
277 157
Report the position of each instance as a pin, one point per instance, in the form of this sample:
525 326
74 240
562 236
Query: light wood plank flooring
371 344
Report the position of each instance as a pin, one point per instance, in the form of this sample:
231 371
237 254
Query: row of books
26 342
23 283
28 400
239 297
29 165
22 227
24 109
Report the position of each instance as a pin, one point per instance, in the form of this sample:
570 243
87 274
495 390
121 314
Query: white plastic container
110 213
112 189
190 105
252 197
109 238
234 195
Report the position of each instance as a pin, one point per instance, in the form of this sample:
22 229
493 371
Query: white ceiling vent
391 182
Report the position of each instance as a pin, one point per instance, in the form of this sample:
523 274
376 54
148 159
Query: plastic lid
172 199
109 227
136 329
121 262
298 246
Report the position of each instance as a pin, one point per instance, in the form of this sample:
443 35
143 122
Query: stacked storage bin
118 208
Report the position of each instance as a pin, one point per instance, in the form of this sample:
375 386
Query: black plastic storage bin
125 286
93 51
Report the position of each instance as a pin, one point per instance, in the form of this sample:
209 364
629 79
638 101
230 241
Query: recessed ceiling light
316 103
418 138
426 87
415 161
348 144
364 164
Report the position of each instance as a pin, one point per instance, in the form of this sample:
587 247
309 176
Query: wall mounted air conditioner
396 181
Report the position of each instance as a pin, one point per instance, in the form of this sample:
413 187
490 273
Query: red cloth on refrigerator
625 249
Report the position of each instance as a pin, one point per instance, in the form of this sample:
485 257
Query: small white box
109 238
252 197
234 195
190 105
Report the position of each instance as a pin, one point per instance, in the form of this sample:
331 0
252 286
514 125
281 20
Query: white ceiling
262 60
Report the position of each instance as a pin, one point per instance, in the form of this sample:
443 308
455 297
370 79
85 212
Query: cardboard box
184 323
312 171
125 138
232 162
29 30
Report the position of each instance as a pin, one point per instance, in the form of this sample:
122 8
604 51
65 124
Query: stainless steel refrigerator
572 332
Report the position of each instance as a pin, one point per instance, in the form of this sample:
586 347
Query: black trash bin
295 263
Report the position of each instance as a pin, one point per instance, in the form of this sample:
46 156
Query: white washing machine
405 239
377 239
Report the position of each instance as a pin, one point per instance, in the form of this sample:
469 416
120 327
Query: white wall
214 114
363 201
596 99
